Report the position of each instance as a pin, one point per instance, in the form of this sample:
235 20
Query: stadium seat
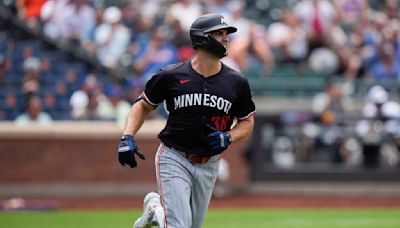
287 86
11 114
3 43
14 79
251 73
62 103
22 45
286 70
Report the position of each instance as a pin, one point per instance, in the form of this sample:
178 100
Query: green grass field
223 218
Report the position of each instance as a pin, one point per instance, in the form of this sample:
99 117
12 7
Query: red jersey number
221 122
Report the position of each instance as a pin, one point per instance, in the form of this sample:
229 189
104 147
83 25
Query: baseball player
203 97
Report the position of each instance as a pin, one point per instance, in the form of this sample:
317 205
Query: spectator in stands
176 32
80 99
331 105
112 38
135 88
153 54
29 10
336 38
185 12
391 36
49 102
350 13
387 69
32 68
32 75
219 6
33 112
349 69
330 108
179 38
323 60
91 110
289 38
140 35
10 105
30 86
316 17
114 107
391 8
54 18
131 14
367 37
249 47
79 24
85 105
150 10
227 9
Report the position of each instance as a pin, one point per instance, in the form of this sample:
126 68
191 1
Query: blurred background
324 75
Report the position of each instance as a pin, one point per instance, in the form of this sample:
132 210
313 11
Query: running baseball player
203 97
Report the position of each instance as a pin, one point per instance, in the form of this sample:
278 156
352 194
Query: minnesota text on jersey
202 99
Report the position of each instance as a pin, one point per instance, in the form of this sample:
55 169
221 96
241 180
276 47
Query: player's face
221 36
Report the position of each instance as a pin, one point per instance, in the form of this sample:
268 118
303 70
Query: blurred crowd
348 39
144 35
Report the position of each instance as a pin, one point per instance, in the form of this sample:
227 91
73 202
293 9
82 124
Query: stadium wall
80 158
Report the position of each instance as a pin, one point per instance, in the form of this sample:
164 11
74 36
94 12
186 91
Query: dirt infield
236 201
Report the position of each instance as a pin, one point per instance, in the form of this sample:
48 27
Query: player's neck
206 66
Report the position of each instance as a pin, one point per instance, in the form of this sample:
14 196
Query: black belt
193 158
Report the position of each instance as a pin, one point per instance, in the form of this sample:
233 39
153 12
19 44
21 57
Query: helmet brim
230 29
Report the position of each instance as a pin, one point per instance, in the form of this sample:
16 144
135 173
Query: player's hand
127 150
218 141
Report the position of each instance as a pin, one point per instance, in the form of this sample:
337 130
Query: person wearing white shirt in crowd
185 11
33 112
114 107
111 37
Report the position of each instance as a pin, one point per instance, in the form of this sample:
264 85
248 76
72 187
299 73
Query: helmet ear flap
213 46
207 42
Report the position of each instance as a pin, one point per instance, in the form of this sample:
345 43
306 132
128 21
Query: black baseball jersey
196 104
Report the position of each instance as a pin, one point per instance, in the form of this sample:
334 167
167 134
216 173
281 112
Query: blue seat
47 79
62 103
3 43
77 67
2 97
14 79
60 115
22 45
11 114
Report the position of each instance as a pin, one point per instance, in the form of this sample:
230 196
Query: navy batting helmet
200 37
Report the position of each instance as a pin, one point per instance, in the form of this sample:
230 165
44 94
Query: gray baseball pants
185 188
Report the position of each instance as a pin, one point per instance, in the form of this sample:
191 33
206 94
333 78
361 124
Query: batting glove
218 141
127 150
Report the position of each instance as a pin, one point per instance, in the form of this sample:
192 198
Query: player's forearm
136 117
243 129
